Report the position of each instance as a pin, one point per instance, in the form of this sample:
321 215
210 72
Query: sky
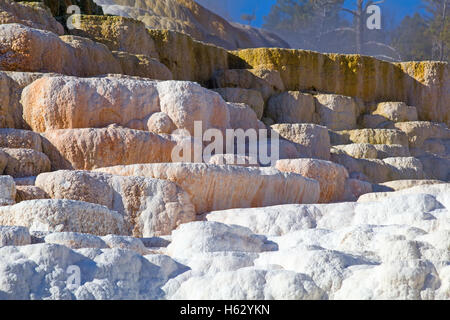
233 9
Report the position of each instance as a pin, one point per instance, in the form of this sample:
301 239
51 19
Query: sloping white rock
149 206
327 268
205 236
62 215
123 242
441 191
367 240
47 271
221 261
283 219
75 240
310 239
411 209
249 284
444 291
272 221
399 280
7 191
14 236
169 267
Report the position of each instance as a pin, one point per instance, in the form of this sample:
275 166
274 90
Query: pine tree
411 40
439 27
306 24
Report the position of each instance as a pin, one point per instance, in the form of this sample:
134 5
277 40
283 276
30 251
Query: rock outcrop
117 33
11 86
312 141
98 125
59 9
252 98
7 191
99 102
14 236
150 207
87 149
213 187
100 266
25 162
291 107
62 215
423 84
29 14
188 17
25 193
66 54
331 176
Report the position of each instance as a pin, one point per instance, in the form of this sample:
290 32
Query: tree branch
339 30
350 11
372 3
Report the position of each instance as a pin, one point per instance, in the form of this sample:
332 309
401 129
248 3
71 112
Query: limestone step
370 136
216 187
396 111
21 162
372 151
378 171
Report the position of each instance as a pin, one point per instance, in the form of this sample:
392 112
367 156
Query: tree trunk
359 27
444 16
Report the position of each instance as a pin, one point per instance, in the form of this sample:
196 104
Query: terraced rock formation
335 183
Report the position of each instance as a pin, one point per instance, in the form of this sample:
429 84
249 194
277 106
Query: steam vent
152 150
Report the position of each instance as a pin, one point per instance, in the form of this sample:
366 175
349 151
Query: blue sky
233 9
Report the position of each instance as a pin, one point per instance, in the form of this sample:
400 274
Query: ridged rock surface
331 176
66 54
29 14
423 84
7 191
87 149
213 187
149 206
120 100
98 102
189 17
62 215
312 141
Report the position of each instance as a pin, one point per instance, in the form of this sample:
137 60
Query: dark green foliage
410 39
59 7
307 24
